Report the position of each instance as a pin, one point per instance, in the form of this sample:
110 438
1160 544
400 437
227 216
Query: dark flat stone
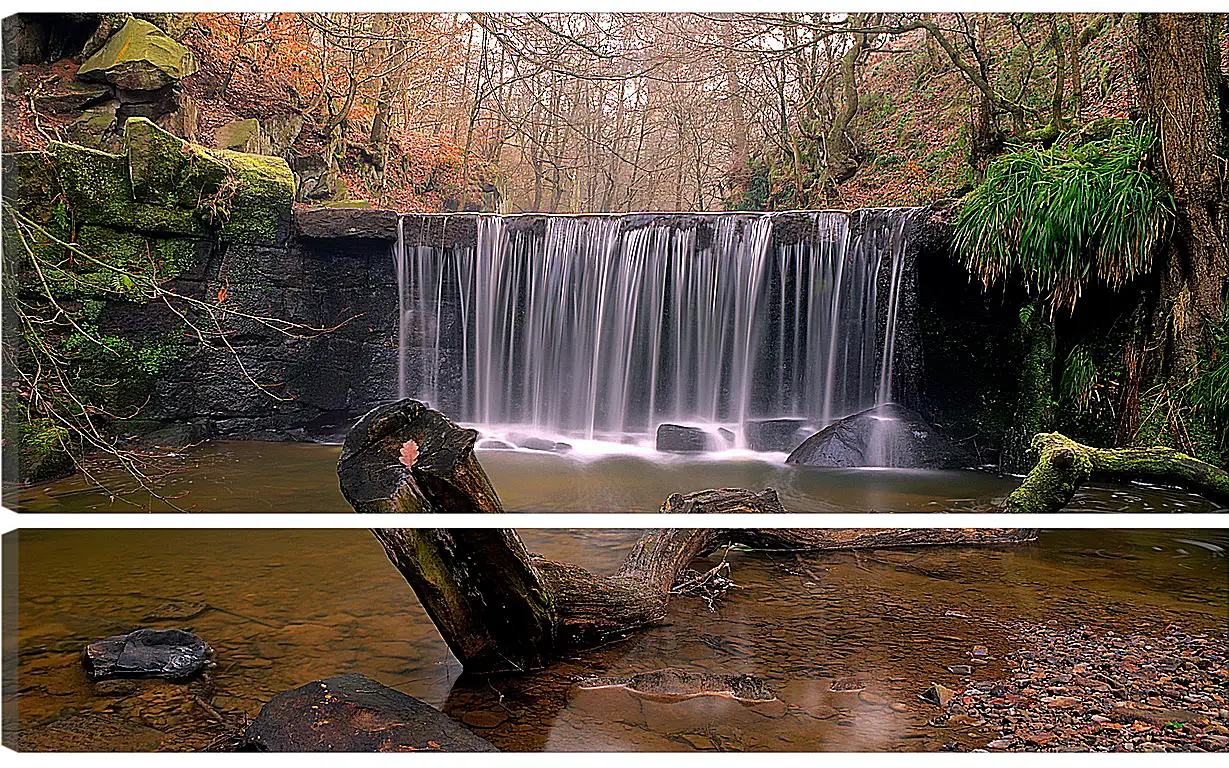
173 654
675 438
361 223
353 713
773 434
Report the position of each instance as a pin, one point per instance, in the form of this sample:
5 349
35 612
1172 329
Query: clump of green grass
1063 216
1081 383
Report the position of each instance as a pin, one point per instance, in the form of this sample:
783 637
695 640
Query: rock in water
679 685
675 438
773 434
177 610
89 732
887 435
170 653
353 713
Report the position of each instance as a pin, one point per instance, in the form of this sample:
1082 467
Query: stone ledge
336 223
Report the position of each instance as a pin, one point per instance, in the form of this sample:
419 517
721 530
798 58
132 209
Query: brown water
290 606
249 476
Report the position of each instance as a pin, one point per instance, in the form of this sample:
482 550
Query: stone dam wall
326 268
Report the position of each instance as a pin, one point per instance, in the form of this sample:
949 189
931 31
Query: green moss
155 161
263 197
156 256
43 450
119 372
169 186
99 191
1034 411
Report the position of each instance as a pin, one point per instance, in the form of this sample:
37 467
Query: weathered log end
1063 465
405 457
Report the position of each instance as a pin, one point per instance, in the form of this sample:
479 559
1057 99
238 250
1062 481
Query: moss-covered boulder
99 190
139 57
163 184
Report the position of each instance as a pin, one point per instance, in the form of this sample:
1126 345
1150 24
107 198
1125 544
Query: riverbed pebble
1080 690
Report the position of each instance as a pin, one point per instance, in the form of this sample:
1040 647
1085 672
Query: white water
597 329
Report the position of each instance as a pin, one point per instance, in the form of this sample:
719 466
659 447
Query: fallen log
1063 465
501 608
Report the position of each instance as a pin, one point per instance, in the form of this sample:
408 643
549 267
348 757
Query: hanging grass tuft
1064 216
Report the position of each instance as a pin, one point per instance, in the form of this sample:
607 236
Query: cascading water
602 327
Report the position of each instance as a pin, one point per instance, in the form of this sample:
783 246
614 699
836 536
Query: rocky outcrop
139 57
164 185
353 713
888 435
144 67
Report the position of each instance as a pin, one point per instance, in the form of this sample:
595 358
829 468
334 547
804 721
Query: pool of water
290 606
250 476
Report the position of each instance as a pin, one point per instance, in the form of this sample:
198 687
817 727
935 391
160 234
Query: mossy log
1063 465
501 608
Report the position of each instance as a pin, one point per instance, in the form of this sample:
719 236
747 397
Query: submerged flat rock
679 685
353 713
888 435
90 732
174 654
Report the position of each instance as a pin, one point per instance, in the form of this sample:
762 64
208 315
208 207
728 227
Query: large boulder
174 654
353 713
888 435
166 185
139 57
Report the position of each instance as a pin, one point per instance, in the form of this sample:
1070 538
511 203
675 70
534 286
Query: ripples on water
291 606
249 476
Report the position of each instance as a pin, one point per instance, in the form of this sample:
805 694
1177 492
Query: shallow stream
285 607
250 476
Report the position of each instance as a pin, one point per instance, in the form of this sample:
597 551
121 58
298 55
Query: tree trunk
502 609
1180 87
1034 398
1063 465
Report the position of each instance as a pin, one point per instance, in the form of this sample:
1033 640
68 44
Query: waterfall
603 327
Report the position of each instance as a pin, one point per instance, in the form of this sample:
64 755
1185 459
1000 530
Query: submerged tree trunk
501 608
1063 465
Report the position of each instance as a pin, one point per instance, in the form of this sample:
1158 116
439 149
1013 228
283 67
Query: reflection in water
287 607
249 476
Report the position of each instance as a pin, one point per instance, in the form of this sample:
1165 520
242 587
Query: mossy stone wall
164 208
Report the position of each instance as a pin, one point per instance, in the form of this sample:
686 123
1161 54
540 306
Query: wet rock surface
676 438
679 685
173 654
353 713
774 434
1076 690
887 435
